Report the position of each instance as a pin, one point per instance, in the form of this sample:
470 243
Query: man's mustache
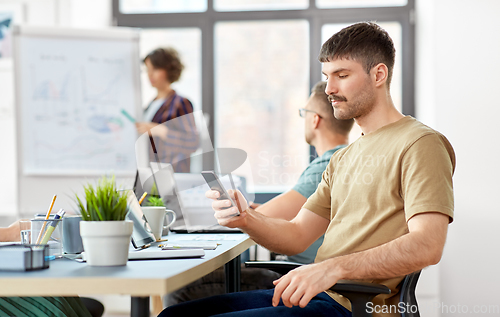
332 98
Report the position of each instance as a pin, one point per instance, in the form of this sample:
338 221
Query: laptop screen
145 181
158 181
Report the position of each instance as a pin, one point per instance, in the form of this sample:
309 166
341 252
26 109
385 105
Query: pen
126 114
52 226
46 218
142 197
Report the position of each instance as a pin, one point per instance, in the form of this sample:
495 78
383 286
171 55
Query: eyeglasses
302 112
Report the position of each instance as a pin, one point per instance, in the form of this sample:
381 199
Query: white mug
155 217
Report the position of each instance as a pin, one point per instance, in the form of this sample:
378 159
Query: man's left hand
300 285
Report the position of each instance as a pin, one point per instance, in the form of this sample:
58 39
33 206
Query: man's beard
361 105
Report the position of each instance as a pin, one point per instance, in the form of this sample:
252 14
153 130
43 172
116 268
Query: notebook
150 253
155 253
176 245
204 229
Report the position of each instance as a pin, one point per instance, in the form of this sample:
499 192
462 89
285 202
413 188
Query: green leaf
103 202
155 201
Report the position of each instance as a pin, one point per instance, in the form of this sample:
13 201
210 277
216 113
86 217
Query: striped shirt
182 138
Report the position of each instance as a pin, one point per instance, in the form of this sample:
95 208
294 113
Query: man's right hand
223 214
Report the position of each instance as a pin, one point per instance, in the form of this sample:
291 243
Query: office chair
358 293
95 307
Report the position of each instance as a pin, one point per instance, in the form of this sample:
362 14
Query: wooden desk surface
138 278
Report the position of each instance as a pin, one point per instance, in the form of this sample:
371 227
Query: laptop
185 194
159 182
143 242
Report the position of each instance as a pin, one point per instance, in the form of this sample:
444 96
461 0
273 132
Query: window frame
316 17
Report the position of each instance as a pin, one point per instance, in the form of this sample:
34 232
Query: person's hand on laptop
223 214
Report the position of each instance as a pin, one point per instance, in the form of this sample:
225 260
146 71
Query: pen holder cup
41 230
72 240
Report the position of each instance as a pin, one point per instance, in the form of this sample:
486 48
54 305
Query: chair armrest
281 267
342 286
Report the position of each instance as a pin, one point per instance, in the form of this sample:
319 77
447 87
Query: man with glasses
327 135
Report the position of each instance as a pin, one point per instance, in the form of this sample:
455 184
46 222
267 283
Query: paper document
206 245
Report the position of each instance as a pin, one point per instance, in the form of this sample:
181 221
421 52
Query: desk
139 279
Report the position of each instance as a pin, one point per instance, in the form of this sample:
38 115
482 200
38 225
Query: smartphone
215 184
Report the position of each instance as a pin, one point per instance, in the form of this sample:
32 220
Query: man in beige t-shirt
384 203
373 189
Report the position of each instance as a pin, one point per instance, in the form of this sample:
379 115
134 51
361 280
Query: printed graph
73 94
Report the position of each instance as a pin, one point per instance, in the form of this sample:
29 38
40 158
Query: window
256 61
253 5
187 42
155 6
323 4
260 99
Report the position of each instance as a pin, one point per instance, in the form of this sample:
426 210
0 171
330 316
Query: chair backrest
408 297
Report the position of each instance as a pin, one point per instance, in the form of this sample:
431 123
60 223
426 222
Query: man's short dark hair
365 42
167 59
325 110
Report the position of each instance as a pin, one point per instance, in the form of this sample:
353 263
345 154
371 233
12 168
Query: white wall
458 48
65 13
33 12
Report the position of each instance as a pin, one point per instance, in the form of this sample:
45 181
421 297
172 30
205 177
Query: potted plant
104 230
155 202
155 213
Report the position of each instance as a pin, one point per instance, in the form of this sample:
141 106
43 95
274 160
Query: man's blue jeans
255 303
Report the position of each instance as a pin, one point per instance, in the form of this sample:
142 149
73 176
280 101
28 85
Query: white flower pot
106 243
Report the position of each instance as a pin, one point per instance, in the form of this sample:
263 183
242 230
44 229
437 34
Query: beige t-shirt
372 187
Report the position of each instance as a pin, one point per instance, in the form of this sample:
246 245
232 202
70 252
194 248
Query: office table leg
232 270
139 307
